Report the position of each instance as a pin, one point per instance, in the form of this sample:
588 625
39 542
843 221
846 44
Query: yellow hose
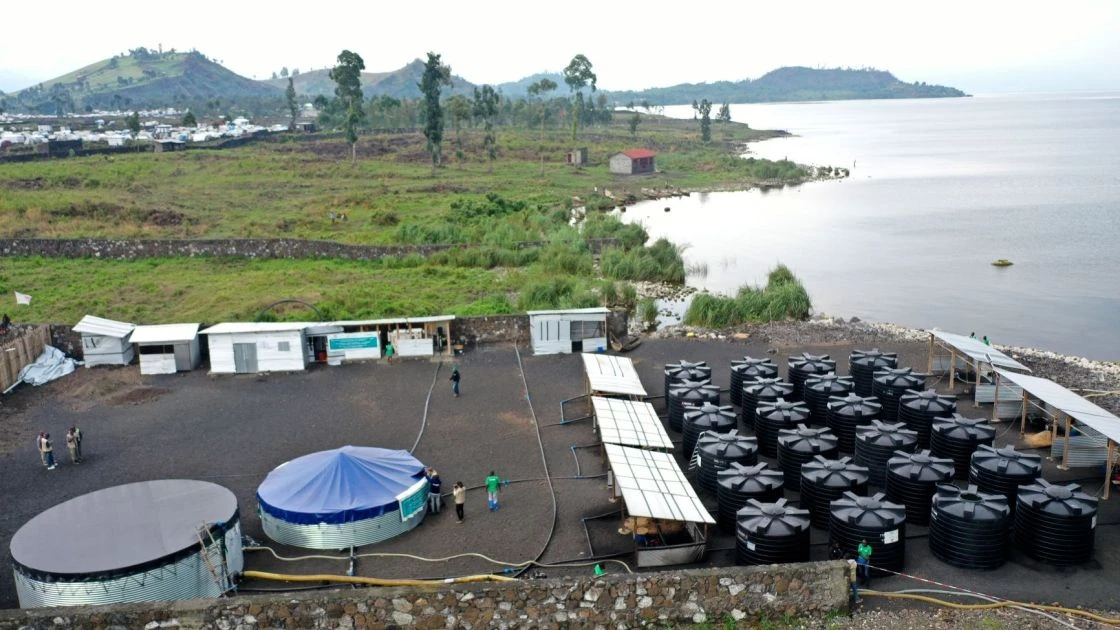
993 605
370 581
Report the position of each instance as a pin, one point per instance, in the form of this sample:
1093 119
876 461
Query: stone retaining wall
491 329
615 601
126 249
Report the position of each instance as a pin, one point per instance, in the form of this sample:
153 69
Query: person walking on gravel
493 487
459 491
455 381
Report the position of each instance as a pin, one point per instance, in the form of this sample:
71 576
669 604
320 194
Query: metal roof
635 154
612 375
229 328
629 423
595 310
653 485
164 333
121 527
92 325
1073 405
393 320
978 351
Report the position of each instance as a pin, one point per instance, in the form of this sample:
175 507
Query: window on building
587 330
284 346
157 349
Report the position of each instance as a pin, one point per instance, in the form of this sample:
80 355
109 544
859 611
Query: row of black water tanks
967 528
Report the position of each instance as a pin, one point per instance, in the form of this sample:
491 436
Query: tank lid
768 388
811 363
772 519
694 389
855 405
883 434
807 439
971 504
873 512
1007 461
1057 500
730 445
873 358
752 362
792 411
754 479
709 415
834 473
959 427
905 378
920 466
830 384
929 401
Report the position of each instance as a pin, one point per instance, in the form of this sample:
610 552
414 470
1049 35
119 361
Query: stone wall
125 249
491 329
616 600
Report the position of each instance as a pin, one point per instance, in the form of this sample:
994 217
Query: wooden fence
20 352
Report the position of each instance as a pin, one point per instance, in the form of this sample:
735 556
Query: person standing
47 450
435 485
986 342
493 487
39 448
460 493
389 351
72 445
455 382
78 439
863 563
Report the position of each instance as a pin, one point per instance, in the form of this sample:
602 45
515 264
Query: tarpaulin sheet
348 484
50 365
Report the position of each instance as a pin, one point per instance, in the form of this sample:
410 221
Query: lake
939 189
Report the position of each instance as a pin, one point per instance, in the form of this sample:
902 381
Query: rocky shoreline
1097 380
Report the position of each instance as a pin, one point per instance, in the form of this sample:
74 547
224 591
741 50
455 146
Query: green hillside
520 88
144 79
793 84
312 83
400 83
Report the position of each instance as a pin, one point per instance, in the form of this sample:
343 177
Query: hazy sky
976 45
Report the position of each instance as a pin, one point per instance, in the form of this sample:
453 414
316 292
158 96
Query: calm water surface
938 190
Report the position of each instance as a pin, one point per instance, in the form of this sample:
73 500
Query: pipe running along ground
1074 612
371 581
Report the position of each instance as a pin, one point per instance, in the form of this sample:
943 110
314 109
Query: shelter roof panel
164 333
229 328
629 423
595 310
612 375
1070 403
978 351
94 325
654 486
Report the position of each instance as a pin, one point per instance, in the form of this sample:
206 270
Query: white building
104 341
248 348
569 330
167 348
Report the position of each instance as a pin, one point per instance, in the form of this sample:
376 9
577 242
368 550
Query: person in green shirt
863 562
493 487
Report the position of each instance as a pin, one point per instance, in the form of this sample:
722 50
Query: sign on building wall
363 345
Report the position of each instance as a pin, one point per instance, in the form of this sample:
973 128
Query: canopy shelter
670 524
629 423
1099 428
974 354
610 375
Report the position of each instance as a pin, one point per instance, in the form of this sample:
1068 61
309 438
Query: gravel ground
234 430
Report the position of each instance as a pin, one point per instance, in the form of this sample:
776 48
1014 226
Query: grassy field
288 187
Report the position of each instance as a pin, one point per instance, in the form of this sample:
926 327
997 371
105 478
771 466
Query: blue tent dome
343 485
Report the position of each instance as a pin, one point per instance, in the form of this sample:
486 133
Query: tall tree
347 76
724 114
132 121
293 104
486 102
189 120
436 75
541 89
635 120
705 109
579 75
460 109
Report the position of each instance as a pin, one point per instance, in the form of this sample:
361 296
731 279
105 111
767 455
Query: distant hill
792 84
520 88
144 79
400 83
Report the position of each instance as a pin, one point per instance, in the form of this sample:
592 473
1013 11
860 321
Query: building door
183 357
245 358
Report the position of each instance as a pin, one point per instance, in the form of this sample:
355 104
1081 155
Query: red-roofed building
633 162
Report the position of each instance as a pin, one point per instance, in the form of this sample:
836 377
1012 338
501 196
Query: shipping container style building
254 347
105 342
167 348
569 330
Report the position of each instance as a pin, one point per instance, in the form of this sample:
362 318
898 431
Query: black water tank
958 438
772 417
686 371
747 369
1003 470
862 365
719 450
737 484
875 520
762 390
825 480
799 445
1055 524
890 384
690 392
849 412
771 533
819 390
706 417
876 444
968 528
805 365
912 480
918 409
